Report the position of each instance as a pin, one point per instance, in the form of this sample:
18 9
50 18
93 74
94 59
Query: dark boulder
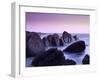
51 57
34 45
67 37
86 59
70 62
78 46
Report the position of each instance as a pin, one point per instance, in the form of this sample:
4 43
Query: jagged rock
51 57
70 62
67 37
34 45
45 41
78 46
86 59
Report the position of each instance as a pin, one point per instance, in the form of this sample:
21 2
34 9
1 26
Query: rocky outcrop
67 37
34 45
86 59
54 40
76 47
51 57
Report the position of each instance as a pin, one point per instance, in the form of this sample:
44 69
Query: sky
56 23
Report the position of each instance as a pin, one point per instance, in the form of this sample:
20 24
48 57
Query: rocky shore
45 51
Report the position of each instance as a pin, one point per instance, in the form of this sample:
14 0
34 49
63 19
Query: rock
75 37
55 40
67 37
28 35
70 62
78 46
34 45
61 42
49 37
51 57
45 41
86 59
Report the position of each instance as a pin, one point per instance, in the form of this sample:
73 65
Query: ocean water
76 57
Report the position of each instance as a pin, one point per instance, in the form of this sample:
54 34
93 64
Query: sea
74 56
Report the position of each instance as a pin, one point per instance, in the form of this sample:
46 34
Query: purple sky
57 23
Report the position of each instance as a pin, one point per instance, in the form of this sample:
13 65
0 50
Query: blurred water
76 57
